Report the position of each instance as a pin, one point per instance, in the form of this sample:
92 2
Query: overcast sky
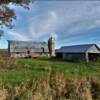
75 22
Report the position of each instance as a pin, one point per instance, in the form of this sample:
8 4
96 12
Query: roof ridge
78 45
77 48
27 41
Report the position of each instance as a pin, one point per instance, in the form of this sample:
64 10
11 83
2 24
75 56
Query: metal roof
76 48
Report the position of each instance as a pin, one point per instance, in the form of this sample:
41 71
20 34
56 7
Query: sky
70 22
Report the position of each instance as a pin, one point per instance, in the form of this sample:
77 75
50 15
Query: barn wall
34 54
13 54
74 56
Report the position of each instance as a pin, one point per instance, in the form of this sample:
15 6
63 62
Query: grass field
48 79
40 67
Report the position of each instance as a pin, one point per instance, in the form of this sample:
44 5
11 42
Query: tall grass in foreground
47 79
55 86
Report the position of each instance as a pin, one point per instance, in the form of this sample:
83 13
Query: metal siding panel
74 56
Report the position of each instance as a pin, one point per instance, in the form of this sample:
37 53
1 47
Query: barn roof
77 48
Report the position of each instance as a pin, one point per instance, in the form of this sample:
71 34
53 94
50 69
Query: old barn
87 52
27 48
31 49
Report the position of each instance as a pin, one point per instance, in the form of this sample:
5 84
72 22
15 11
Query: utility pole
1 34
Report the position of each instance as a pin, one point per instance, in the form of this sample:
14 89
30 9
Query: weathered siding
21 48
74 56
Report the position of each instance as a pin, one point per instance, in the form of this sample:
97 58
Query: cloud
3 44
64 18
42 24
54 35
17 36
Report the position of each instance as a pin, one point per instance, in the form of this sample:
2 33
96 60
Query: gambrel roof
78 48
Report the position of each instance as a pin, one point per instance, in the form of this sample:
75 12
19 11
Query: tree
1 33
7 15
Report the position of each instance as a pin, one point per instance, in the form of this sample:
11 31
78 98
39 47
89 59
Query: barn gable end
93 49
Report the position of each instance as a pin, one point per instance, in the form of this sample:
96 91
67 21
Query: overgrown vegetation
47 79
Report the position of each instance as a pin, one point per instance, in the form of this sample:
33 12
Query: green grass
40 67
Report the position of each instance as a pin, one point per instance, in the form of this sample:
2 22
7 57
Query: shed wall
74 56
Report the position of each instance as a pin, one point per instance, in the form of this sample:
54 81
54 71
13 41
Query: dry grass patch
7 62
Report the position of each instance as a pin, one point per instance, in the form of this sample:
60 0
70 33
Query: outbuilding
84 52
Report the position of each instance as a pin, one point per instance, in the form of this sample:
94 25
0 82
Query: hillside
49 79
